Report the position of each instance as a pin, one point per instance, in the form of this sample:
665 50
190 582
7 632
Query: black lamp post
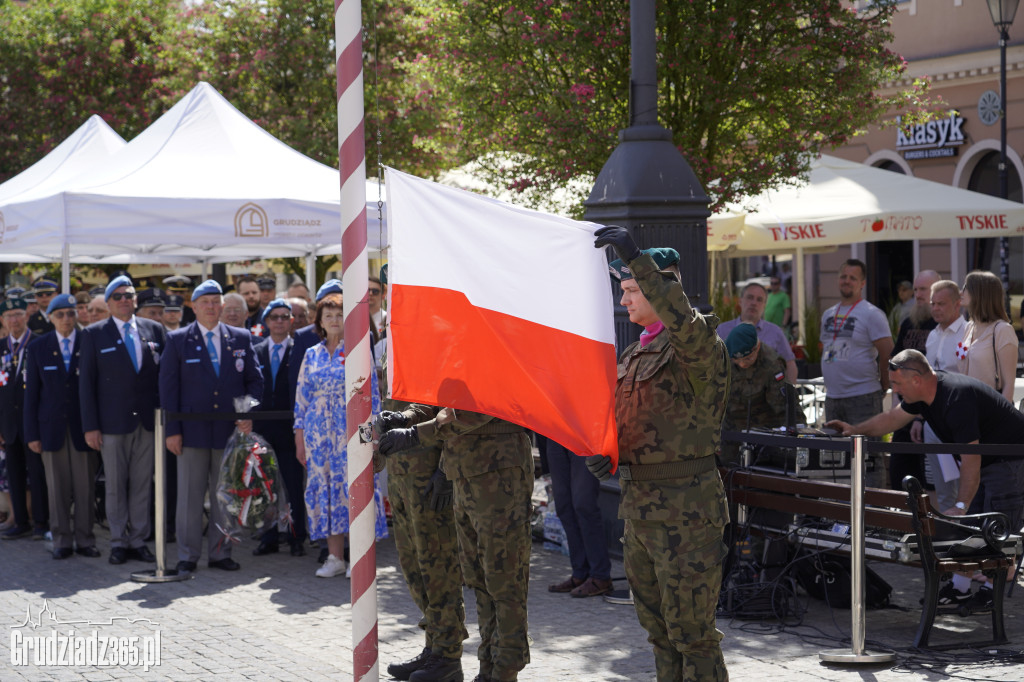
1003 12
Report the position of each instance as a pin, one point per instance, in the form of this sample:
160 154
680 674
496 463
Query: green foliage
64 60
812 333
752 91
724 306
297 266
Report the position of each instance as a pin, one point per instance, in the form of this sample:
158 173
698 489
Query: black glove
438 492
620 239
600 466
397 440
385 421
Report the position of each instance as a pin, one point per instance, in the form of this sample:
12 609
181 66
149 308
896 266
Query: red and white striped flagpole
358 365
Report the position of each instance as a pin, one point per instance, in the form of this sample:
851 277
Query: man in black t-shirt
960 409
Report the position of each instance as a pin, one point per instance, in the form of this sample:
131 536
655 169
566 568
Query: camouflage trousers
428 552
492 514
675 573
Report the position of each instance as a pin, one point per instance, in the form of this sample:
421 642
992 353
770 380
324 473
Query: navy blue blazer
303 340
114 397
188 382
51 394
12 389
276 396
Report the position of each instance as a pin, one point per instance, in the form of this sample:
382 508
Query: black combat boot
401 671
439 669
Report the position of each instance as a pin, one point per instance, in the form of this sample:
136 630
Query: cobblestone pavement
275 620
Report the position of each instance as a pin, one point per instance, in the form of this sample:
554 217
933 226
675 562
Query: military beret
83 298
15 292
178 282
174 303
43 284
663 258
210 286
12 304
62 301
276 303
96 291
266 283
331 286
117 283
384 275
741 340
151 298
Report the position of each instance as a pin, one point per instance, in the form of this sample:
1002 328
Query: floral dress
320 412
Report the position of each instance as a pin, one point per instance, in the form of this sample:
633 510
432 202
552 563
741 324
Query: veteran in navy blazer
119 388
53 429
205 367
275 357
25 471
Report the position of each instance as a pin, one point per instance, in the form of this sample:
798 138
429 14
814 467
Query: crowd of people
81 375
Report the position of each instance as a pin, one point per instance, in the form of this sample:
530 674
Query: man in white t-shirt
856 344
941 347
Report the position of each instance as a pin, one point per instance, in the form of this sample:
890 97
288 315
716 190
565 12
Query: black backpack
827 577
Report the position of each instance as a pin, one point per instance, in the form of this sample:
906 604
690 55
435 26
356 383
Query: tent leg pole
311 272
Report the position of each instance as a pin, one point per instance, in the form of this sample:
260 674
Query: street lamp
1002 12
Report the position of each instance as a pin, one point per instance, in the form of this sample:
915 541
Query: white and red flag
501 310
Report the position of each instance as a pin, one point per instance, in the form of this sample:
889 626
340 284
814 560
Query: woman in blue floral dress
320 437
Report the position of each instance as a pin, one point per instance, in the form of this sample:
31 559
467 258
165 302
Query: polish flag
500 310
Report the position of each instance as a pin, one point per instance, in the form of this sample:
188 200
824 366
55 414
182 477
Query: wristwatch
961 506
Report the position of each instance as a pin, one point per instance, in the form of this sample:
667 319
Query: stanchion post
856 654
161 574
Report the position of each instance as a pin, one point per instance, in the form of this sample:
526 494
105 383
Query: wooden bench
907 512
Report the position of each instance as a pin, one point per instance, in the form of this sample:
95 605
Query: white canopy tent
203 182
845 202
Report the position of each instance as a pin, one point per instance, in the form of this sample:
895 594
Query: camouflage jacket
669 402
757 395
421 460
473 443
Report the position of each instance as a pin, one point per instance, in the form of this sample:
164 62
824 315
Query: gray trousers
198 471
128 469
854 410
71 484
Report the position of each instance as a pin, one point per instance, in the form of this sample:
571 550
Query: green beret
384 275
742 340
12 304
663 258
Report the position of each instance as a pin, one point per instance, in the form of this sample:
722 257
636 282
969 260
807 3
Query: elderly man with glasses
118 385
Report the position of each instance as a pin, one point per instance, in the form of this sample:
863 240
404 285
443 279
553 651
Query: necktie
212 349
129 342
67 353
275 363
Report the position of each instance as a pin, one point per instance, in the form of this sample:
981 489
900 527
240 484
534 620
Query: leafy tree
64 60
751 90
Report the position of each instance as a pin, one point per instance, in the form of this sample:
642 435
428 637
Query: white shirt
940 346
135 335
70 337
216 338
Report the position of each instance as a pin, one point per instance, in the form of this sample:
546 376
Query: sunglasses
900 367
375 292
61 314
277 318
118 296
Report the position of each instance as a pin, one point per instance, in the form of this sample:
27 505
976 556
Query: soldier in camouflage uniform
490 462
757 395
669 403
428 548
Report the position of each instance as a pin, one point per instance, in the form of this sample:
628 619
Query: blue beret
276 303
116 283
742 340
663 258
12 304
210 286
331 286
60 302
